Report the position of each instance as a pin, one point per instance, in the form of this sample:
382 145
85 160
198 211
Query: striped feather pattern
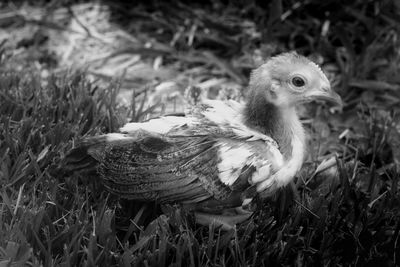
162 168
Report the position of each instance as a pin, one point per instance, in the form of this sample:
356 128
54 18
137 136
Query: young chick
214 156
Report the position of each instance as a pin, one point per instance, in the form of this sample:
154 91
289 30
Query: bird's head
288 79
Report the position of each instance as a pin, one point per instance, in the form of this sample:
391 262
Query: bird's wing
209 153
152 167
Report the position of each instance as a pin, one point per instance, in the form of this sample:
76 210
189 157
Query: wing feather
158 168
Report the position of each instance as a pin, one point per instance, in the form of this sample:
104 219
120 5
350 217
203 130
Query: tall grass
46 219
346 216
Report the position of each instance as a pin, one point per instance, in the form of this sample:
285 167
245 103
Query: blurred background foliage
75 68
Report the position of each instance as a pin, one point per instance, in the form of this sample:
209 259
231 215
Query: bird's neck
282 124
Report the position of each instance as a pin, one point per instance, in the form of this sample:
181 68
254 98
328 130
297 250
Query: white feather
236 155
293 165
232 160
262 173
160 125
117 136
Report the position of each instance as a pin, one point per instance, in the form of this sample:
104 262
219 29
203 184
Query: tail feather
89 152
78 160
83 158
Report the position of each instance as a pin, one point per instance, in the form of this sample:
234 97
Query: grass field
348 215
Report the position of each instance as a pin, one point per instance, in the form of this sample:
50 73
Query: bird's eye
298 81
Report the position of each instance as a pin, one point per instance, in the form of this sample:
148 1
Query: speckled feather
162 168
182 162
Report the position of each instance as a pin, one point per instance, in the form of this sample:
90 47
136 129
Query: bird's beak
325 94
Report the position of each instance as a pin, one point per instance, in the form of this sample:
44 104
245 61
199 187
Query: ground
71 69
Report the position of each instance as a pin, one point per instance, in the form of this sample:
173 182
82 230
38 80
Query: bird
220 154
